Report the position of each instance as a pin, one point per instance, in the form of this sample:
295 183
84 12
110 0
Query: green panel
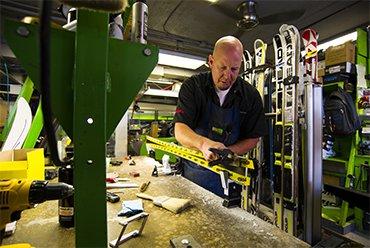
345 211
330 87
128 68
26 93
158 153
361 42
35 129
359 215
26 50
331 213
151 117
90 100
361 60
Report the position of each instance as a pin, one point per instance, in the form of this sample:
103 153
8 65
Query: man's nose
227 73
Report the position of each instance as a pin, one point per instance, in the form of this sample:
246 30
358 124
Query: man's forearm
187 137
243 146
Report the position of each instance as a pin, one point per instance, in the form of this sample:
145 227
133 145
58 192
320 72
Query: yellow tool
237 174
17 195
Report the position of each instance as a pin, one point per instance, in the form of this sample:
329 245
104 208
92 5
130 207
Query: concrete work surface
207 221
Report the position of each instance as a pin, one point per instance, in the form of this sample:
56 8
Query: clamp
124 237
227 158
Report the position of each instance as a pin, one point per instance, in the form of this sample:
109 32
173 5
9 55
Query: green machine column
89 128
94 79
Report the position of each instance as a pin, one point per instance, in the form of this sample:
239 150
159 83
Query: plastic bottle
66 206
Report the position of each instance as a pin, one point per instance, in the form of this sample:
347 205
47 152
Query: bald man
218 109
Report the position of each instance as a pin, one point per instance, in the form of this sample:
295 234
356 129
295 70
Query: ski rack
234 173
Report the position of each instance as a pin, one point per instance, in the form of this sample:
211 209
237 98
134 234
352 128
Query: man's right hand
207 143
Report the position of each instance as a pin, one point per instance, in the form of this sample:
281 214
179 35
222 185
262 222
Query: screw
147 51
23 31
90 120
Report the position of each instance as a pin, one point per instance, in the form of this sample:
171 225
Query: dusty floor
211 224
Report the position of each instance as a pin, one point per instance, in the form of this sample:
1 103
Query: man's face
225 66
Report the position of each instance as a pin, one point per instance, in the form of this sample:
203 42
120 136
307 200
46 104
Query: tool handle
145 196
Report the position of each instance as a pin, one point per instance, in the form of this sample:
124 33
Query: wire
45 80
169 16
8 85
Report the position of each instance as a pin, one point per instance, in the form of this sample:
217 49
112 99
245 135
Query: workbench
210 224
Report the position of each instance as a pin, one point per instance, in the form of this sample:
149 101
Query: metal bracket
123 238
224 175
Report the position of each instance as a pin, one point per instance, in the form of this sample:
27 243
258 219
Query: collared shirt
195 92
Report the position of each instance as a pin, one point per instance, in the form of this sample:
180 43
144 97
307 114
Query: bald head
228 43
225 61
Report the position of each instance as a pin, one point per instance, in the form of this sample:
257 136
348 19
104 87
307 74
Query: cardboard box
345 67
341 53
321 68
3 112
21 164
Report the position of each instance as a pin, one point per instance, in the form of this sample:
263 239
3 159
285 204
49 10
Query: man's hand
207 143
188 138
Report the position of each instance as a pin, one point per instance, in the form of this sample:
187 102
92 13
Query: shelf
335 165
339 160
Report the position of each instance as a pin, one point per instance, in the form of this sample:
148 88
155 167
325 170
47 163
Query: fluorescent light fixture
212 1
340 40
156 92
181 60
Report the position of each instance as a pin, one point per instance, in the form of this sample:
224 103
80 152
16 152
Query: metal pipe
139 28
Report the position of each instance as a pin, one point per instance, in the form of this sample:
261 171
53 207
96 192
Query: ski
258 76
247 66
309 38
287 130
279 49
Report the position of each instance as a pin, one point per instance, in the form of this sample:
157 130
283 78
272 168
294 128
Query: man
218 109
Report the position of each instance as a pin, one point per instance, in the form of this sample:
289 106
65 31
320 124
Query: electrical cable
45 80
7 84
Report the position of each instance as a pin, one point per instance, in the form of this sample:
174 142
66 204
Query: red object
179 111
111 180
134 174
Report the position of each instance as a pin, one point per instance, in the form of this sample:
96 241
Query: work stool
124 223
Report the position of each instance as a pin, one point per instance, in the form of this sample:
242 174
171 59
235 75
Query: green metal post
350 171
89 128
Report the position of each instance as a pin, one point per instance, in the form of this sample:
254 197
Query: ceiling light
250 18
181 60
212 1
338 41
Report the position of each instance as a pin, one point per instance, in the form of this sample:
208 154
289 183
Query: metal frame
101 83
123 238
313 163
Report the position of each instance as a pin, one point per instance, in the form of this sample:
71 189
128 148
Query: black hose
45 79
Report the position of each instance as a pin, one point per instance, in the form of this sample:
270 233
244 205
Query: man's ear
210 60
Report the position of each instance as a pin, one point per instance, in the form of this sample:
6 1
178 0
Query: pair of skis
254 74
287 54
288 160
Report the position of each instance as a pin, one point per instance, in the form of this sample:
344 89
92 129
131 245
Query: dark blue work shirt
195 92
